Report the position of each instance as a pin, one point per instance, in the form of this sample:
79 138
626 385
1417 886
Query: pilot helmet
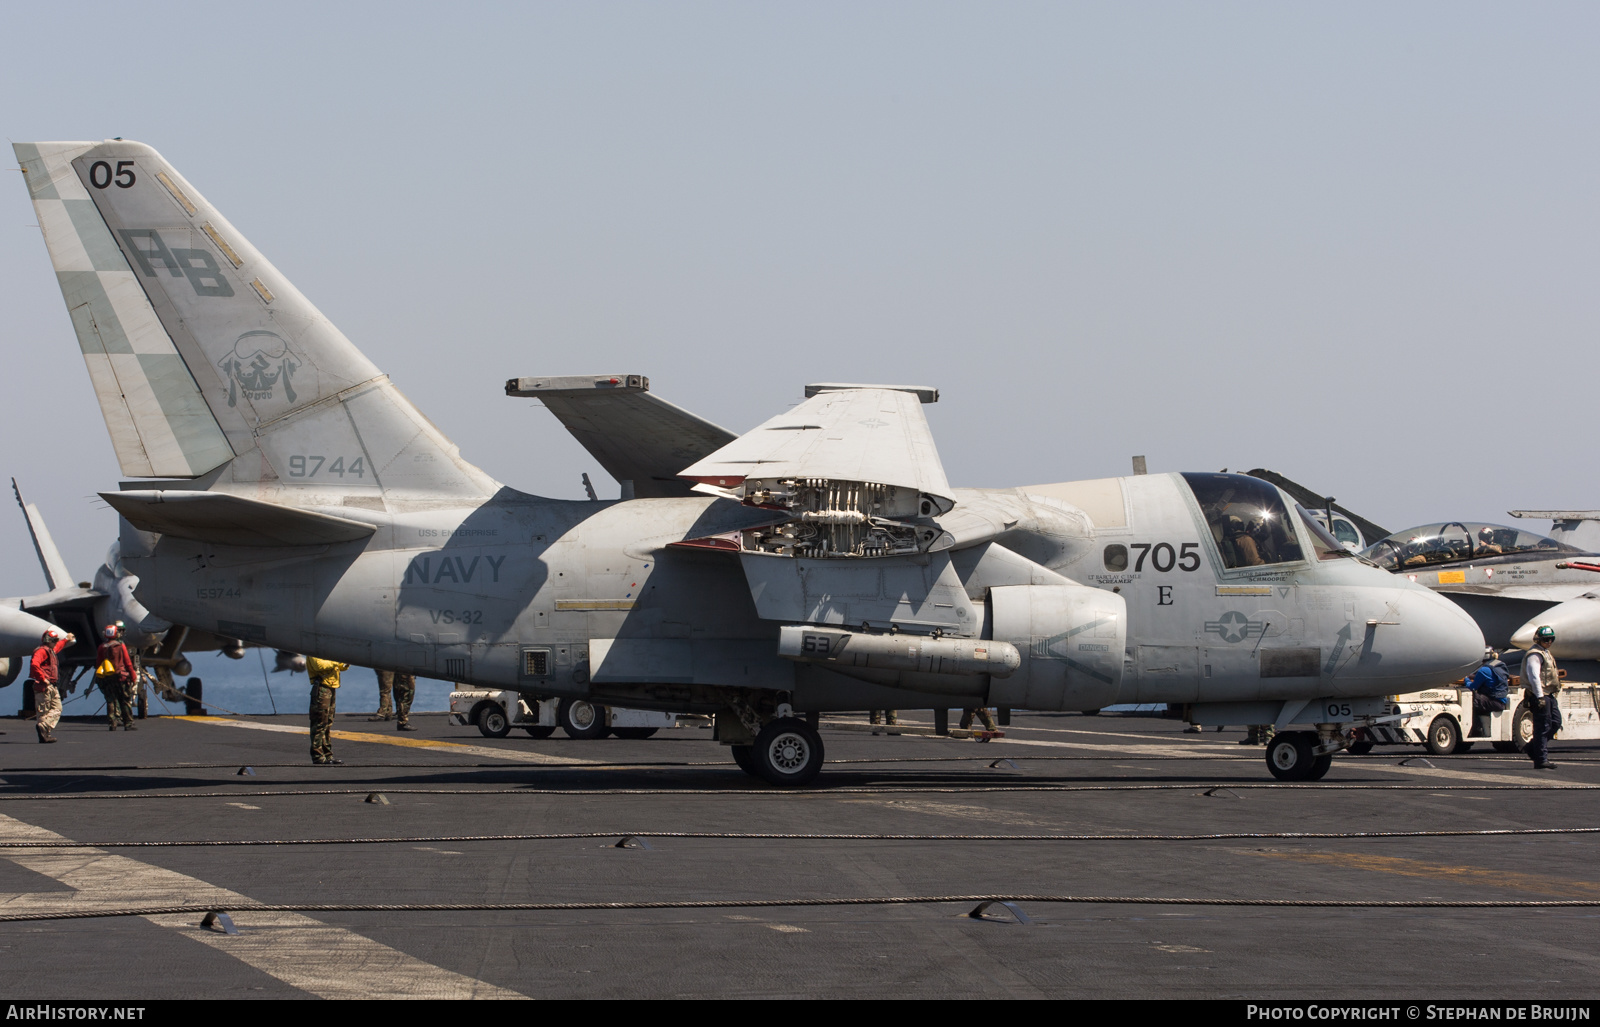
1545 634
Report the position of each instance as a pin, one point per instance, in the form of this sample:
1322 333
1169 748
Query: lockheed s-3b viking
302 502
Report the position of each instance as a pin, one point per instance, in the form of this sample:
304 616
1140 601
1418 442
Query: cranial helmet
110 632
1545 633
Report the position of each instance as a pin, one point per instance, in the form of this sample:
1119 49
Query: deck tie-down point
629 841
1420 760
1212 792
219 918
978 911
377 797
246 772
996 764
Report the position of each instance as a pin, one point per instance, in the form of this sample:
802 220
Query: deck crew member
324 676
114 674
385 696
1490 685
405 690
1541 685
983 714
43 673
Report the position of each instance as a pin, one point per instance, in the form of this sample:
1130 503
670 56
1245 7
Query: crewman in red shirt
114 673
43 673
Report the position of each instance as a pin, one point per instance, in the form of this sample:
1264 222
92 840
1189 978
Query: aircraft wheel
1360 748
1444 736
1319 767
539 732
1091 713
741 755
1289 755
787 753
1522 728
634 733
492 720
581 719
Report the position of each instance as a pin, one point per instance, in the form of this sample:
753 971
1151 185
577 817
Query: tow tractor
1442 720
496 712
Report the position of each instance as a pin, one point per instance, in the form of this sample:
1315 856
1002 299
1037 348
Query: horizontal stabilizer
857 434
228 520
635 436
1559 515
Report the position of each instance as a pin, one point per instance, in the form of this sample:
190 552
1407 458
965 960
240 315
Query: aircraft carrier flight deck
1118 856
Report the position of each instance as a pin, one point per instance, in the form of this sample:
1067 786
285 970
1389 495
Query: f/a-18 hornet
302 502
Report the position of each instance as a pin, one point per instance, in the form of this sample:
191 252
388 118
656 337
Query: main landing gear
786 752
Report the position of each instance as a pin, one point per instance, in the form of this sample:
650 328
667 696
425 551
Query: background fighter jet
1508 580
306 504
84 608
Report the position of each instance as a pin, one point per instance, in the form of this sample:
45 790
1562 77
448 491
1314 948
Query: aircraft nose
1424 642
1577 626
20 632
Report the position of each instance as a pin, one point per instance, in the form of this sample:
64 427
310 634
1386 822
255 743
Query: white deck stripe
319 958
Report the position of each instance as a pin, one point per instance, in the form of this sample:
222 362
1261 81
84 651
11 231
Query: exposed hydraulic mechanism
842 519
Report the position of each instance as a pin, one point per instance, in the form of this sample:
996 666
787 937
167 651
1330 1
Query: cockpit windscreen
1247 518
1455 541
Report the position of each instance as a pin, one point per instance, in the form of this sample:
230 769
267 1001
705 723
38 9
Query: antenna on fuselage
1139 465
589 487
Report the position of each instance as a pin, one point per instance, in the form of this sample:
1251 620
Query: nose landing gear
1291 756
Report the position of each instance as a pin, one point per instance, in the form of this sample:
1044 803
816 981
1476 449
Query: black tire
581 719
539 732
1091 713
1360 748
1522 728
492 720
1319 767
634 733
741 755
787 753
1444 735
1465 746
1289 755
1503 746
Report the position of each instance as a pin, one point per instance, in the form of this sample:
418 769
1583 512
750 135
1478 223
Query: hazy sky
1355 243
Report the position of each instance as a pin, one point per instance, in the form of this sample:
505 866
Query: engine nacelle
1072 640
10 667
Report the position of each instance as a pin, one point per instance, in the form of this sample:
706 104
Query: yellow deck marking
511 755
1477 876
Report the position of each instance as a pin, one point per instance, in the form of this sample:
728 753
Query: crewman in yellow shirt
324 676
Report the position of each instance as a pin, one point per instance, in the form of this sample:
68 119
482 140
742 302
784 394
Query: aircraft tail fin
56 574
1580 528
204 356
1311 501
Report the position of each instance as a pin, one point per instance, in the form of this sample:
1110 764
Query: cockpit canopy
1456 541
1250 522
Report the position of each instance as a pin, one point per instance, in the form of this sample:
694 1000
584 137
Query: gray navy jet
819 562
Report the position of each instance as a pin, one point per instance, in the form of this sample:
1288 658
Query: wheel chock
377 798
217 918
978 911
629 841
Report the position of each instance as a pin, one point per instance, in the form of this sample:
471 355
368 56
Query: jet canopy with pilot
1459 541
